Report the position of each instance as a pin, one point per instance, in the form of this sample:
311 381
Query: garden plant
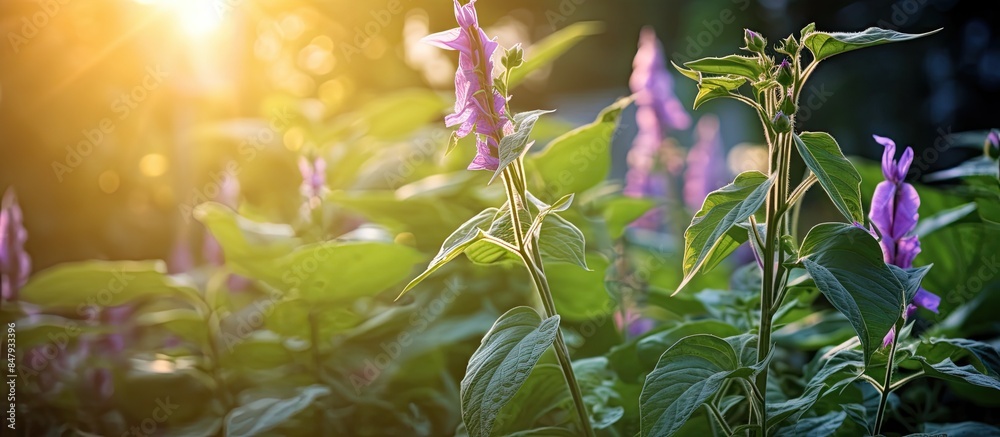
459 277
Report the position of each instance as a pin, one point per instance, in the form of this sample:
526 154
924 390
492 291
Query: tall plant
515 343
843 259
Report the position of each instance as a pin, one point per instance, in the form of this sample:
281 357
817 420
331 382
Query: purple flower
894 213
313 176
993 139
478 106
652 85
632 323
658 110
706 163
15 263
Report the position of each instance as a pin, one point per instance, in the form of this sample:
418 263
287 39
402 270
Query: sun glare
194 18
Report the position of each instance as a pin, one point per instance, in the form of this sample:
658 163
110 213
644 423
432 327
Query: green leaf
250 247
551 47
598 385
398 114
89 285
846 264
961 429
543 393
706 240
688 375
826 44
835 173
515 145
981 166
943 219
184 322
263 415
742 66
498 244
331 271
561 241
710 88
652 347
826 375
580 295
454 245
580 158
621 211
939 357
501 365
820 426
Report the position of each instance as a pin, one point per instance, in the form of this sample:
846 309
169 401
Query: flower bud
785 76
991 146
789 45
754 42
781 123
787 104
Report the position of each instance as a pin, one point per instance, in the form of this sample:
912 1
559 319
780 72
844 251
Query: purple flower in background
993 138
658 110
894 213
15 263
652 85
478 106
706 163
313 177
632 323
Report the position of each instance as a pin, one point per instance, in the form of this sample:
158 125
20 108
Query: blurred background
117 114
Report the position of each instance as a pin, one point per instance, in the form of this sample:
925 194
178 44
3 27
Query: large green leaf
543 394
331 271
502 363
846 264
89 285
826 374
689 374
581 158
835 173
706 240
940 358
820 426
620 212
454 245
551 47
737 65
826 44
580 295
263 415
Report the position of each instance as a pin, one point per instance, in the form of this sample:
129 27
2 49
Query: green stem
719 418
533 262
886 386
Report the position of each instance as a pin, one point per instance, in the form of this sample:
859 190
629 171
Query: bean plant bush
687 301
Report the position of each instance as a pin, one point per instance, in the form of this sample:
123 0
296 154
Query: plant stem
886 386
533 262
719 418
